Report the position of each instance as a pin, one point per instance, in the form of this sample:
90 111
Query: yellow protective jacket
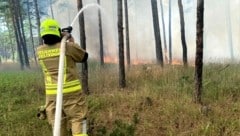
48 57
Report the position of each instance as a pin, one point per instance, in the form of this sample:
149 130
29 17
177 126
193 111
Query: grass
156 102
21 94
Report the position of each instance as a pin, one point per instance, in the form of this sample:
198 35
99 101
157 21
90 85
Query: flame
139 62
109 59
179 62
176 62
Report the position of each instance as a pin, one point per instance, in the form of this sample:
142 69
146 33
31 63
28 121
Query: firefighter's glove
42 113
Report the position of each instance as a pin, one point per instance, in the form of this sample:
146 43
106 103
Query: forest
155 67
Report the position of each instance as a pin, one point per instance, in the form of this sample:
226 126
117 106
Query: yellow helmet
50 26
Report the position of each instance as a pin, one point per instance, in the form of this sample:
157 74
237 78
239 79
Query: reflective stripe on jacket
48 57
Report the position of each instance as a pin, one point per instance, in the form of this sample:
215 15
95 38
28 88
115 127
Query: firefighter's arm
76 52
85 57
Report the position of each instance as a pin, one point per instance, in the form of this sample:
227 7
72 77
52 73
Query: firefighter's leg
50 111
76 110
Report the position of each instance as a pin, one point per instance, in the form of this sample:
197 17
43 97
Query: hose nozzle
67 29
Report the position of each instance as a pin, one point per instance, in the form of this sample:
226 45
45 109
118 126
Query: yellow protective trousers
74 111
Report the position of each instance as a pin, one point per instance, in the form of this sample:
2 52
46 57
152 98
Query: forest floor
156 102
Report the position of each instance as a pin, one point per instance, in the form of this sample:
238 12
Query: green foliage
20 97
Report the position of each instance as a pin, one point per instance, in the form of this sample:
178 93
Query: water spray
58 111
85 7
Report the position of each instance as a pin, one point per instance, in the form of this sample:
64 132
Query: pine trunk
127 33
122 81
170 31
38 21
22 33
199 52
51 8
83 45
100 36
31 32
183 39
19 49
229 28
164 32
157 33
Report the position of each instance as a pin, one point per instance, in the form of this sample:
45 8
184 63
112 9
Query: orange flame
139 62
109 59
176 62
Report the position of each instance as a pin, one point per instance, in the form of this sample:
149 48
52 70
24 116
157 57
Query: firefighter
74 107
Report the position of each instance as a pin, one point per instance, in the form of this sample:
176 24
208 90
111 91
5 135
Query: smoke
43 6
216 29
142 45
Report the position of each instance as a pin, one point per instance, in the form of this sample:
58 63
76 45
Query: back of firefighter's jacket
48 57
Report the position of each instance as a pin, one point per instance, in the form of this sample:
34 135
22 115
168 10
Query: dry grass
156 102
159 102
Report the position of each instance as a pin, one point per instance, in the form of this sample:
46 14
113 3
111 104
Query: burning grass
155 102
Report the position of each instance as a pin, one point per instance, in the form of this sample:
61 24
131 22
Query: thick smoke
142 45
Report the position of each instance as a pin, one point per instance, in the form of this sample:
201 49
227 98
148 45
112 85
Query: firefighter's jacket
48 57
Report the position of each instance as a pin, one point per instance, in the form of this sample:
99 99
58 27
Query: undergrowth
156 102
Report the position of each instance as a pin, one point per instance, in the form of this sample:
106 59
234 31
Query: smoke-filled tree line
21 20
29 13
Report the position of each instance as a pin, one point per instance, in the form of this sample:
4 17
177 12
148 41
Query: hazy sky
142 43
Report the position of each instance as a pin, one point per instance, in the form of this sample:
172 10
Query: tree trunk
157 33
170 31
182 23
22 33
122 81
229 28
127 33
19 37
38 21
50 3
100 36
83 45
19 49
4 49
10 30
31 32
164 32
199 52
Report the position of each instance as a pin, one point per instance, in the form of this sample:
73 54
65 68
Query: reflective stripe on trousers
80 134
68 87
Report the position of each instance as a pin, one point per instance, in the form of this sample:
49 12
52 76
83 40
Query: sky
142 45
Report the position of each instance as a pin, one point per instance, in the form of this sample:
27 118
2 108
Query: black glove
42 113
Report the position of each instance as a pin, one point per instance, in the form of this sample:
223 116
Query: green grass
155 102
21 94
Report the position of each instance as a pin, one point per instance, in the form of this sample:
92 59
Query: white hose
84 126
58 112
